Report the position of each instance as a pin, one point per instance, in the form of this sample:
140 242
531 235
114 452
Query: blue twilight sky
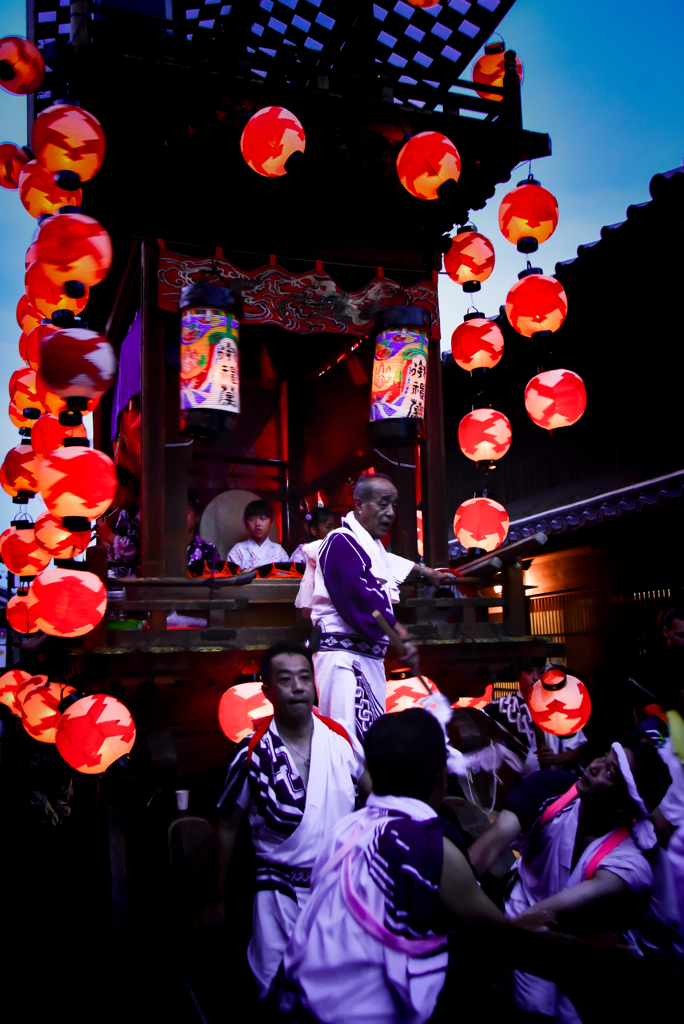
602 78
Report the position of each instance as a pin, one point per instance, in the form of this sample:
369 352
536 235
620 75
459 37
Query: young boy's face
258 527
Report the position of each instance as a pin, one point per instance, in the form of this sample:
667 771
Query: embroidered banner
301 303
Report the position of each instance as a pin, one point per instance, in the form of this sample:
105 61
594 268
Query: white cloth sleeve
401 567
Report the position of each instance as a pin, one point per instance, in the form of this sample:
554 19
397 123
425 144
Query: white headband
642 828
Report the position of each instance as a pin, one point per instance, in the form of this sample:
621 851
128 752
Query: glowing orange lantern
18 471
77 482
68 602
24 689
528 215
52 536
33 341
240 709
66 138
9 684
73 247
21 65
559 703
23 392
19 551
77 363
423 3
405 690
18 418
491 68
19 615
555 398
27 316
477 343
536 303
31 254
46 297
476 702
22 348
484 435
94 732
269 139
470 259
426 162
40 194
481 523
40 712
12 161
48 434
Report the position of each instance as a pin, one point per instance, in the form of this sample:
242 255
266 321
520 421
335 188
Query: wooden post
152 407
517 603
96 560
433 464
404 533
176 453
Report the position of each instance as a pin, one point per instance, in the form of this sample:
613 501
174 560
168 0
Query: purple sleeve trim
353 588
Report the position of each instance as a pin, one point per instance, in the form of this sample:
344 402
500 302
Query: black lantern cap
214 296
70 563
7 72
68 180
22 497
70 418
74 289
471 286
475 315
31 414
63 318
528 271
22 524
527 244
75 442
403 316
75 524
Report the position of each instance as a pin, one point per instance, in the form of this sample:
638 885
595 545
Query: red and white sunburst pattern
76 362
46 297
477 343
40 193
68 138
52 536
555 398
20 552
23 390
481 523
425 162
24 69
18 471
476 702
40 712
73 247
12 161
269 139
490 68
94 732
470 257
77 482
560 712
484 434
68 602
9 684
23 690
406 692
20 615
240 709
47 434
536 303
528 211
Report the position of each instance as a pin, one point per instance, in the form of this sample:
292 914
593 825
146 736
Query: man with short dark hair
296 776
355 576
258 549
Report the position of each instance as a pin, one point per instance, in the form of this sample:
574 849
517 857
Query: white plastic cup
182 799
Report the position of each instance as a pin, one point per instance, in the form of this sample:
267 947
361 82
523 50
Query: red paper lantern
28 686
481 523
12 161
73 247
31 254
555 398
27 316
269 139
405 690
21 65
22 348
528 215
426 162
41 194
77 482
19 615
477 343
45 296
536 303
240 709
68 138
68 602
491 68
18 418
94 732
40 712
484 435
52 536
476 702
470 259
22 390
75 362
19 551
423 3
9 684
559 703
48 434
18 470
52 402
33 340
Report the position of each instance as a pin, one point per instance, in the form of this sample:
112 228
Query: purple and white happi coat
354 576
289 823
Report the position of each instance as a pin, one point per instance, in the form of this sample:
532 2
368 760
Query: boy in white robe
296 776
258 549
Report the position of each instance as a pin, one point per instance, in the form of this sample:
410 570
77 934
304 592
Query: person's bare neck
293 730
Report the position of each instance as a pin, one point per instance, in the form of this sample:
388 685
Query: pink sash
608 844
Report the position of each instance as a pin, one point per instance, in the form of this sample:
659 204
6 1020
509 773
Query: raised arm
602 885
494 841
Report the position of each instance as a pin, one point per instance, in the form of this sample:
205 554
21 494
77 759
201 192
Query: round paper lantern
41 194
77 363
45 296
426 162
559 703
19 551
12 161
240 709
470 259
405 690
67 138
484 435
25 688
22 348
269 139
52 536
27 316
73 247
555 398
68 602
18 418
40 712
18 470
476 702
481 523
528 215
491 68
48 434
20 616
33 340
477 344
77 481
21 65
9 684
536 303
94 732
23 392
31 254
